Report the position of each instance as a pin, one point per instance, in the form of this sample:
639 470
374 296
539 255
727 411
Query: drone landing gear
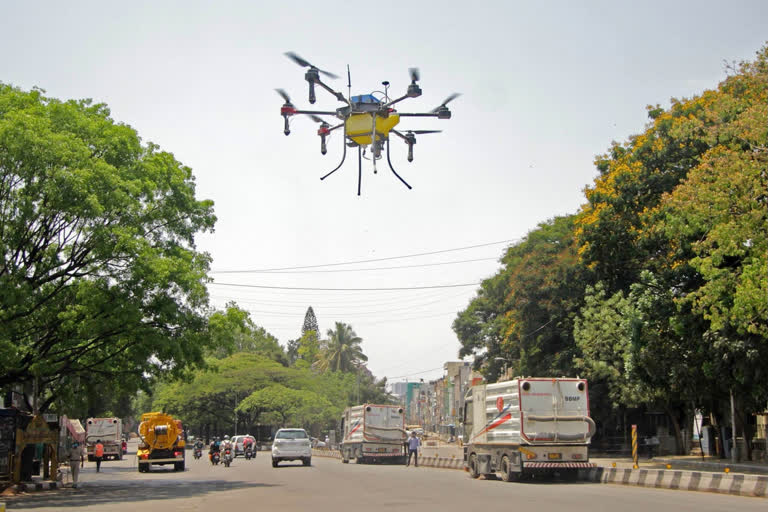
394 171
343 157
359 168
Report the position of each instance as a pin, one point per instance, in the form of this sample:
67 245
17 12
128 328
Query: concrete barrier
723 483
442 462
326 452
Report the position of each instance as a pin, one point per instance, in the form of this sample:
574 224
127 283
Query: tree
309 348
342 351
281 405
98 267
522 317
310 322
233 330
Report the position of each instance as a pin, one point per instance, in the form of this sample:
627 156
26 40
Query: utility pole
733 430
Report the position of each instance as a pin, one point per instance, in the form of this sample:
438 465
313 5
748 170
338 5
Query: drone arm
398 100
393 169
399 134
316 112
339 96
418 114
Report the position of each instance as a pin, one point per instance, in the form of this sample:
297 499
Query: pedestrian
76 461
98 454
413 449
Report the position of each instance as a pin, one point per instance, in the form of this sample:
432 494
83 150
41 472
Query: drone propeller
284 95
447 101
414 74
303 63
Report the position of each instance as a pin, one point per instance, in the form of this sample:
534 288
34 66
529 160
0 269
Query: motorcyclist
198 446
226 446
248 447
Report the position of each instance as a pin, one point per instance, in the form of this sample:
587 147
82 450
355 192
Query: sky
546 86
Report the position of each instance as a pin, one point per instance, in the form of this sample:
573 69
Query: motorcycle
248 453
227 457
215 457
198 453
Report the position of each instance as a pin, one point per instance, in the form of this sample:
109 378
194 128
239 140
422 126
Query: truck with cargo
107 430
373 433
162 442
527 426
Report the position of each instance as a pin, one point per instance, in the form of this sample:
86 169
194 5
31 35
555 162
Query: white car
291 444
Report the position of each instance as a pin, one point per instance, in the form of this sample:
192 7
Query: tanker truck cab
527 426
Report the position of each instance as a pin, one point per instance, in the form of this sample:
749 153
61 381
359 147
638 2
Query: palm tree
341 351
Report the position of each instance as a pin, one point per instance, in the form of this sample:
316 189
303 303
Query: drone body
367 120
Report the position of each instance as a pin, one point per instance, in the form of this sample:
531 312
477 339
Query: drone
367 120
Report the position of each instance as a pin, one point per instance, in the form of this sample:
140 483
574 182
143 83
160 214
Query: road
329 485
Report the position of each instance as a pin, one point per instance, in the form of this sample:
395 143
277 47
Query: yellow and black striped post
634 446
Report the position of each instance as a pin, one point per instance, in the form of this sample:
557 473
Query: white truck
373 433
526 426
110 432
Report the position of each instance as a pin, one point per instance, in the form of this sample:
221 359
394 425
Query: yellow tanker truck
162 442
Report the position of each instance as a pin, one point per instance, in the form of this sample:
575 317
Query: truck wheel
307 461
473 473
507 474
178 466
275 462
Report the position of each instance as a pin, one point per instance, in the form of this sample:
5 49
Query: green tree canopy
233 330
98 267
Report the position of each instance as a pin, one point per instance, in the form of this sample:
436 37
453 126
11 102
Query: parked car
291 444
237 442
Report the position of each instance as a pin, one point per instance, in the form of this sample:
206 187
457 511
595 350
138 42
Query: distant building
400 389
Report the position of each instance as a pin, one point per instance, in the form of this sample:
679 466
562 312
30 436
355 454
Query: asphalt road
329 485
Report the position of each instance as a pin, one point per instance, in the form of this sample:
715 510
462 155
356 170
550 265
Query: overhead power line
443 251
348 269
395 288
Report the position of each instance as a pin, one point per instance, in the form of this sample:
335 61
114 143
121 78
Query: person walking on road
413 449
76 461
98 454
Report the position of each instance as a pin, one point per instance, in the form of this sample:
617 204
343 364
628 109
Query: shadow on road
135 491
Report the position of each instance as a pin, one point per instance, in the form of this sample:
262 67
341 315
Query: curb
722 483
37 486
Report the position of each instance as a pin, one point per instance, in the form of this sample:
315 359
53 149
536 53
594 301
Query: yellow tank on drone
359 127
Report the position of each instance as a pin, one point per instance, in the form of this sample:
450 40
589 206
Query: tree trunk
678 433
746 431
